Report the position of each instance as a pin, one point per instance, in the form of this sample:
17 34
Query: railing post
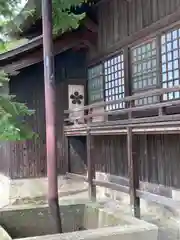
133 169
91 168
67 160
161 111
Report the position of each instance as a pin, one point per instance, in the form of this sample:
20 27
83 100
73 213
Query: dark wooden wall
158 155
28 158
77 155
110 154
120 18
160 159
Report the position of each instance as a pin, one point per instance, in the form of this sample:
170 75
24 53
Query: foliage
8 8
12 115
64 17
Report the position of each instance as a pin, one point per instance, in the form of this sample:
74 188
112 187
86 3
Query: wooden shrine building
118 98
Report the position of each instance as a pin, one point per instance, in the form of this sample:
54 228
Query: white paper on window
114 80
144 68
170 49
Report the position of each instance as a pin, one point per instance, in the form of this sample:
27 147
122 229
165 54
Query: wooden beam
35 42
165 201
148 125
138 121
133 170
67 41
67 159
149 93
174 128
90 167
38 41
77 177
90 25
160 106
113 186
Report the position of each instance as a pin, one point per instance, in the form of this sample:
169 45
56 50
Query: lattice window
114 81
144 70
170 55
95 84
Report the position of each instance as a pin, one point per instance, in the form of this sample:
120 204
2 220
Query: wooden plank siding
119 19
26 159
110 154
112 23
158 156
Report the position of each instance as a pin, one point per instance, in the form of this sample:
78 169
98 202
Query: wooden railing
130 109
133 167
162 200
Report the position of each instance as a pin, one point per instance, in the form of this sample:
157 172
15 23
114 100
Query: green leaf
13 116
63 17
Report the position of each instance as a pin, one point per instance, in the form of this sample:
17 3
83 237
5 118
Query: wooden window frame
121 105
157 35
152 71
170 62
104 80
127 57
88 80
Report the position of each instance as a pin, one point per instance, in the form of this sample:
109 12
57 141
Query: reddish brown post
49 83
133 174
90 168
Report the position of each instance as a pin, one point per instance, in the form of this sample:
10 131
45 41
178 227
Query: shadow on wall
77 155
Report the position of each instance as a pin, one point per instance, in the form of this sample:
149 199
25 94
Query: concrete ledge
113 233
13 190
4 190
4 235
167 219
96 219
37 187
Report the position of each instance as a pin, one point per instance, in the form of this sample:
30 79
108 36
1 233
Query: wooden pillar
91 168
133 168
67 151
50 109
